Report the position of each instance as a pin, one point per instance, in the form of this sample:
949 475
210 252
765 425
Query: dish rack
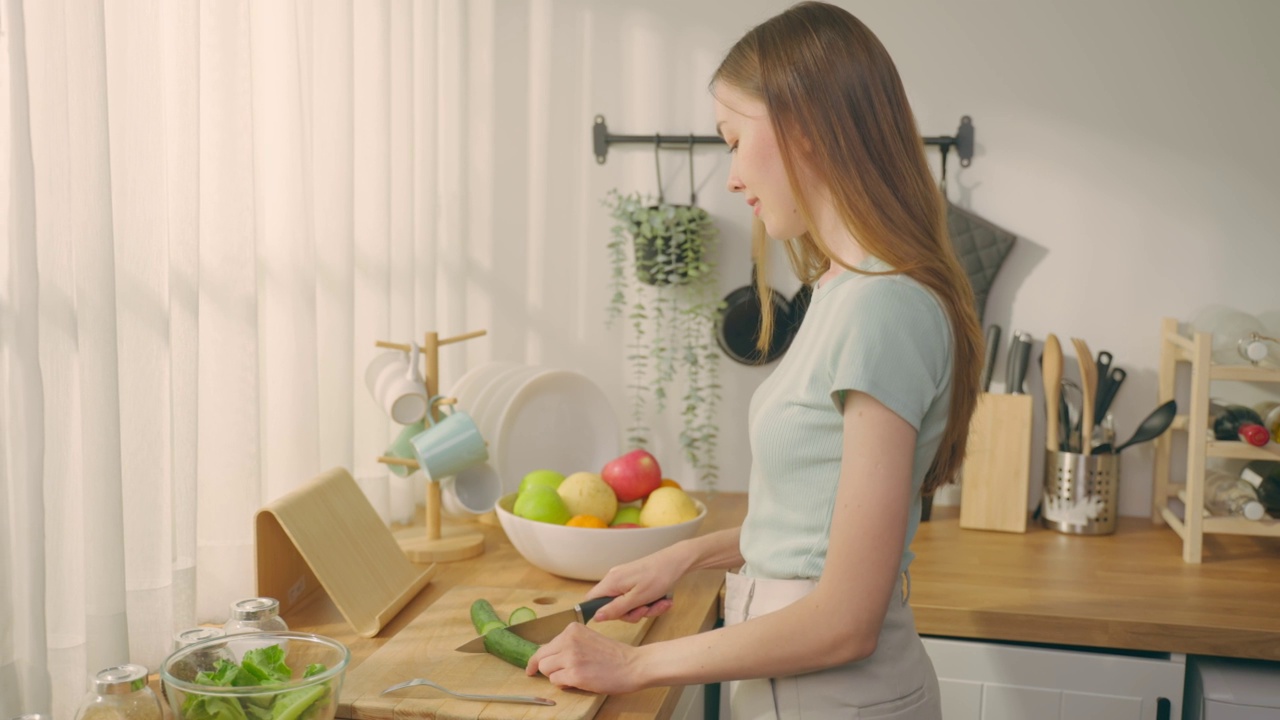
1196 351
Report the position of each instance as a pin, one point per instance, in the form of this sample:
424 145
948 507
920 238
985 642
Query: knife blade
544 629
1021 355
989 361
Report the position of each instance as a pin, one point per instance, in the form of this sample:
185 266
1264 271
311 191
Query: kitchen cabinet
994 681
1176 349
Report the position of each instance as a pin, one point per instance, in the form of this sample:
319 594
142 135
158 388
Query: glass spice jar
261 614
120 693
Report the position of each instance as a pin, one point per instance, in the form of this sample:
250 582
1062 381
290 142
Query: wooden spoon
1051 374
1089 388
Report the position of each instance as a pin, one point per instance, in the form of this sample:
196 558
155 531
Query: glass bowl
280 677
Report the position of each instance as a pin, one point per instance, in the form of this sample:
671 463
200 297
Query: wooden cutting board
426 649
996 477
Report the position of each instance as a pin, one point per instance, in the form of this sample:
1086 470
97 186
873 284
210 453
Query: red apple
633 476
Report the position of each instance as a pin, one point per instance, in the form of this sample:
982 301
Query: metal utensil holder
1081 492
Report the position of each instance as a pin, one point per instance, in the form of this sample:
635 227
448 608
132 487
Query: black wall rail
601 139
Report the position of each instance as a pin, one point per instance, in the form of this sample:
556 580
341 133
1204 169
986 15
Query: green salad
261 667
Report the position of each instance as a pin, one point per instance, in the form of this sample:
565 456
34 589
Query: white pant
896 683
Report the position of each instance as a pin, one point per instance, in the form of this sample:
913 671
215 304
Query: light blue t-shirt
886 336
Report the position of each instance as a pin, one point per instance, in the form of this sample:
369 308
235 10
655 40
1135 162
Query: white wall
1130 145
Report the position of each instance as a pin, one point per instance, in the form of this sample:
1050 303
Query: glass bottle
1269 411
120 693
1229 496
1237 422
1238 337
260 614
1264 476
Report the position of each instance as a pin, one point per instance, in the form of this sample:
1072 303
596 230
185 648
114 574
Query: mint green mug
449 445
402 447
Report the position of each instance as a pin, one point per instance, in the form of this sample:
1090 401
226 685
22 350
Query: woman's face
756 170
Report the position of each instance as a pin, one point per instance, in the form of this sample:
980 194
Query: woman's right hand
640 582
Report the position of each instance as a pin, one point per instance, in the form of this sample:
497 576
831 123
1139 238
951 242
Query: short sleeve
895 347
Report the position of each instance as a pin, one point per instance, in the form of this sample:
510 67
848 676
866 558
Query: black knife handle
587 609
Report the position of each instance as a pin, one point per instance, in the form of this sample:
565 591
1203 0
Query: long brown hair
841 116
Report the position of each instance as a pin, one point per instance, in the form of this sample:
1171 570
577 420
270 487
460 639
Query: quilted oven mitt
982 248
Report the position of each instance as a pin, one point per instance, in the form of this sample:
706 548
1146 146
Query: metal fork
524 699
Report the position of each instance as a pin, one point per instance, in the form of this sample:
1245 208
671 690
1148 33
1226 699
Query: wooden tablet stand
326 536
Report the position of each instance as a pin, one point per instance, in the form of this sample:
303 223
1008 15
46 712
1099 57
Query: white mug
400 389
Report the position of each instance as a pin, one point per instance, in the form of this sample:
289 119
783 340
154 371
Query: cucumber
504 644
484 617
521 614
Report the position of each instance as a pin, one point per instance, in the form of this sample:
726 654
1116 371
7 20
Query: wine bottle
1264 476
1237 422
1269 411
1229 496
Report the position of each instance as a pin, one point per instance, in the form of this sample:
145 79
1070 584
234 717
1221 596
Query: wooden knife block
996 477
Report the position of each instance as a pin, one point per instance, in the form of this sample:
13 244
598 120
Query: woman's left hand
584 659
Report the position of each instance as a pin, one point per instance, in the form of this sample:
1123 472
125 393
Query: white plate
494 396
558 420
474 380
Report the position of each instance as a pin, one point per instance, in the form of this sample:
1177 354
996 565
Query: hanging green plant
664 285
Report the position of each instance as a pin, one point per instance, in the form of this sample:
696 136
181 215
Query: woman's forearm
714 551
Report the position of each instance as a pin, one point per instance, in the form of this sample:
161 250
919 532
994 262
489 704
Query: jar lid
120 680
255 608
190 636
1253 510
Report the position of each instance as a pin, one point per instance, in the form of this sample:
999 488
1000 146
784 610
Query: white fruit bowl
587 553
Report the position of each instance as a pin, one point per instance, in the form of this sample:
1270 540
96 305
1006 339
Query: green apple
627 515
549 478
542 504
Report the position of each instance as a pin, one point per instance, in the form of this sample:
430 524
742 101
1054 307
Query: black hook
657 164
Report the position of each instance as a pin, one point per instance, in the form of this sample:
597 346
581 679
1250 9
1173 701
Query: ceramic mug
471 492
402 447
401 390
449 445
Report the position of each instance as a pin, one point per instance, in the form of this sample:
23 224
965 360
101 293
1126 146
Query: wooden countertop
1129 590
697 604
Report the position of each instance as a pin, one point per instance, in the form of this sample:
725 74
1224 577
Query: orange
586 521
668 482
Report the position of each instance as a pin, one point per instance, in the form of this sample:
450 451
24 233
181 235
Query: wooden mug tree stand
438 544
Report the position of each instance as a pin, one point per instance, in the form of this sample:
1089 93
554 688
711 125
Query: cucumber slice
504 644
521 614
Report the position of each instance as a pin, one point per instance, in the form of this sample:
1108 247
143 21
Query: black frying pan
739 328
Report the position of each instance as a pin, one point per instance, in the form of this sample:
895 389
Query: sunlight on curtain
212 210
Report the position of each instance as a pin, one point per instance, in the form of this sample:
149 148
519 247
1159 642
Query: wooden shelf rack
1176 348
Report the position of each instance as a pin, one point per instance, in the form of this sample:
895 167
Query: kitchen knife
1011 360
544 629
1021 357
989 361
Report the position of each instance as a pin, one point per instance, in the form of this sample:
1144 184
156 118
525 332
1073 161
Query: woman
868 410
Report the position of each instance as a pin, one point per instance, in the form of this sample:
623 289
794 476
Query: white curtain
211 211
